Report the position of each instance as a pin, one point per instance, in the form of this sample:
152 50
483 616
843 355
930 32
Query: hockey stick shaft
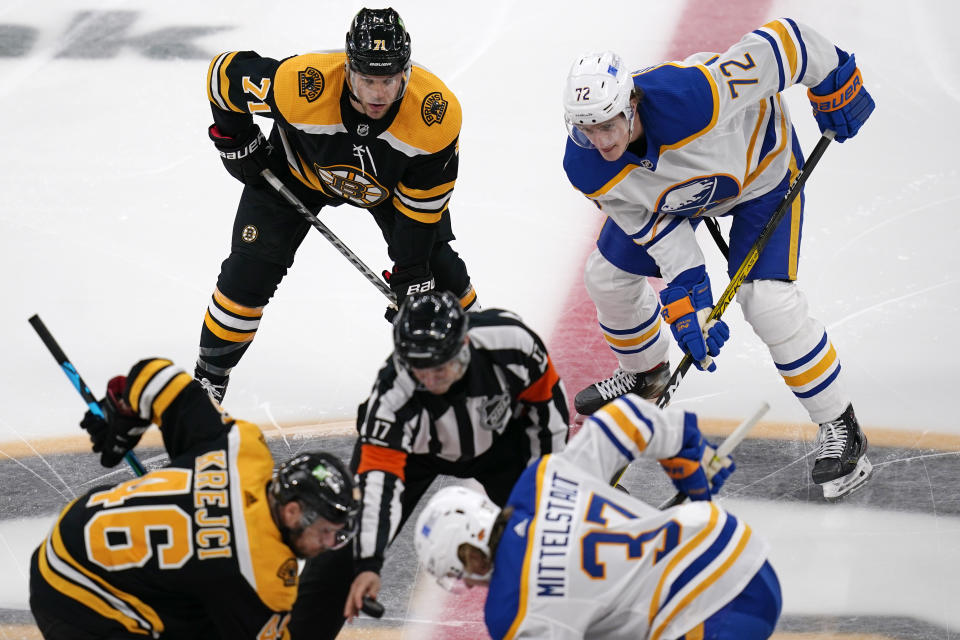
325 231
714 228
726 448
78 383
751 258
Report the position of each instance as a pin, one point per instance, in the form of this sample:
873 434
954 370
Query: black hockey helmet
429 329
378 44
323 486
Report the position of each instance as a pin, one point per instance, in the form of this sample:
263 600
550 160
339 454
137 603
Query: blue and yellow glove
840 102
696 471
685 311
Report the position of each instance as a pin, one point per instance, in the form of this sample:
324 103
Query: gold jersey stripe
761 118
236 307
773 154
423 194
789 47
468 299
796 211
223 84
682 553
527 556
419 216
626 425
224 334
143 377
712 578
169 394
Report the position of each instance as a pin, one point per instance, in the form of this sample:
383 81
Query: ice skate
649 384
841 466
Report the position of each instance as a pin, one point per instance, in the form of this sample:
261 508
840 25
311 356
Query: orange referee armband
839 98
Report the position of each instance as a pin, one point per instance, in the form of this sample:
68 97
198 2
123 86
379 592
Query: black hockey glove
406 282
244 155
122 429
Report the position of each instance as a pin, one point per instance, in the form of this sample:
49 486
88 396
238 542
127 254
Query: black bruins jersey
186 551
404 163
509 383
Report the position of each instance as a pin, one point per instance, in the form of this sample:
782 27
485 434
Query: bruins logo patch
433 108
249 233
352 184
311 84
288 572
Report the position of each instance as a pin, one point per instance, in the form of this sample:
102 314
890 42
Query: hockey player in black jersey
205 547
364 127
465 395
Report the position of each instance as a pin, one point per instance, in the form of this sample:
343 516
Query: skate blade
836 489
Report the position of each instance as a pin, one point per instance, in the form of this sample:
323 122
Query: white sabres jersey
717 134
580 559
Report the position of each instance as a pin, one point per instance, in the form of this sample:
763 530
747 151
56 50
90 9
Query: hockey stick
714 228
751 258
78 383
725 449
325 231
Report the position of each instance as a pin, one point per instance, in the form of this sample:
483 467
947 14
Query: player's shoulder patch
307 88
430 117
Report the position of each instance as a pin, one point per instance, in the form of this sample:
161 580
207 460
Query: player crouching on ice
205 547
570 556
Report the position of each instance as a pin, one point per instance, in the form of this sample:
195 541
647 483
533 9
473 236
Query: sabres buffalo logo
433 108
311 84
353 185
697 196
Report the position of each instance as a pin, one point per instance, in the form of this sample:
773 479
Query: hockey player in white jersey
659 149
571 557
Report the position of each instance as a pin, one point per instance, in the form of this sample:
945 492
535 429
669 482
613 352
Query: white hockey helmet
454 516
598 88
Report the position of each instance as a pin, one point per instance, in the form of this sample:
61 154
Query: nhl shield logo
311 83
433 108
494 412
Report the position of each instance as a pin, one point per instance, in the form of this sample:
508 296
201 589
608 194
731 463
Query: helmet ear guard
454 516
598 88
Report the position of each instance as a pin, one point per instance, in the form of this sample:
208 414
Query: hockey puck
371 607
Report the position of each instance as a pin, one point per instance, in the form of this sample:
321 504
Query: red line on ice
576 346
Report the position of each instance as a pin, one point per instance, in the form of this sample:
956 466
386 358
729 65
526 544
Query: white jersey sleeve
623 430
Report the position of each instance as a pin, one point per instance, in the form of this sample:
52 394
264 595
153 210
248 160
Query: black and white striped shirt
509 383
